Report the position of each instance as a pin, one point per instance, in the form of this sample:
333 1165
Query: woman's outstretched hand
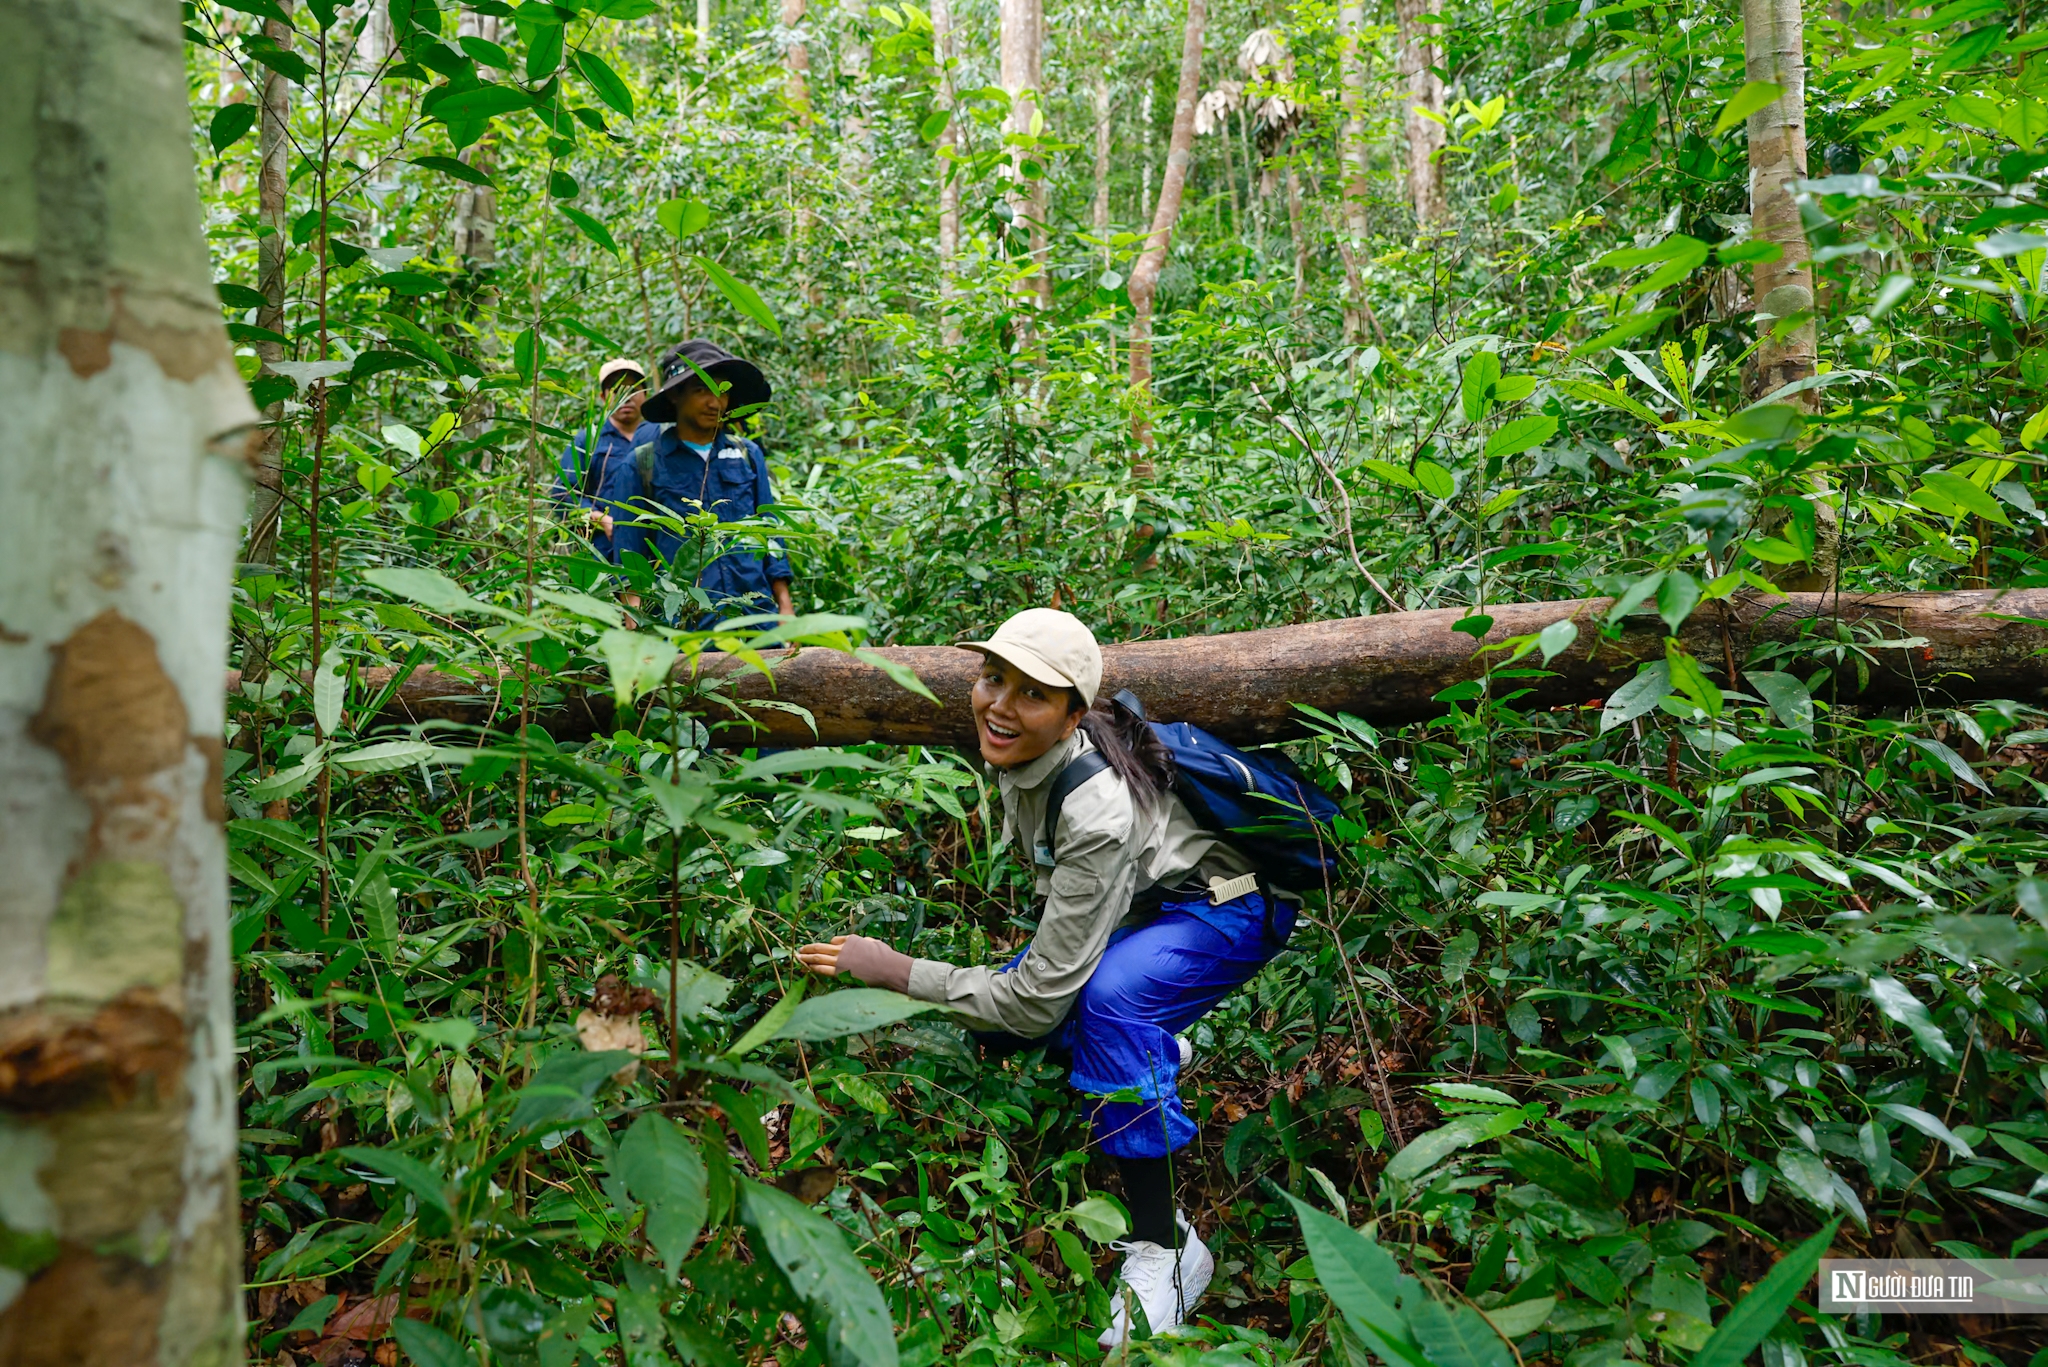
823 960
873 962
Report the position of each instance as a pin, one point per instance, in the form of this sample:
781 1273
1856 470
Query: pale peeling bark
1103 108
122 419
1425 91
1774 50
1773 43
703 34
1021 55
1352 149
272 251
949 175
1144 284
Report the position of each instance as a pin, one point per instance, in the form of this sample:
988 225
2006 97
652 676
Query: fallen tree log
1919 648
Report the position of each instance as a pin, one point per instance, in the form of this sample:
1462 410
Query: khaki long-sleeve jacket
1110 849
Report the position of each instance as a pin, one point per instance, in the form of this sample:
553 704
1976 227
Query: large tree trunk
1353 151
949 175
122 486
1145 275
1425 90
1244 686
1103 108
1022 76
1774 50
272 251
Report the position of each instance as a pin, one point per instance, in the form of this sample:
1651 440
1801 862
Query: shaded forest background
1618 1007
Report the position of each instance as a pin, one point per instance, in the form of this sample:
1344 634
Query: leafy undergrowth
1605 1020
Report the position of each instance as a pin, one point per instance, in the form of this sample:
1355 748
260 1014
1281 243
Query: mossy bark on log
1244 685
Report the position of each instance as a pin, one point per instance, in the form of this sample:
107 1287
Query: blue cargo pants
1154 981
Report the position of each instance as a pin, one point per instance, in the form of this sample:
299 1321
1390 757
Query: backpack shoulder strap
1063 785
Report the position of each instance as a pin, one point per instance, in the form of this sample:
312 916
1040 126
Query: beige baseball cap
619 366
1050 646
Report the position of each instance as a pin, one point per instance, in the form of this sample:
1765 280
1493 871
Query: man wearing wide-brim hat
688 462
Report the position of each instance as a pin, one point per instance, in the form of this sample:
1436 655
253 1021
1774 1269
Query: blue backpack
1262 804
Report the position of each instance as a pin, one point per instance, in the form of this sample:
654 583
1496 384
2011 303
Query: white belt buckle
1223 890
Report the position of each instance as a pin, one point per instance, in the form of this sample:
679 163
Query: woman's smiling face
1016 717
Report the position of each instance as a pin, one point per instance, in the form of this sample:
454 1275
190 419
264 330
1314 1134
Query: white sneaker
1187 1050
1166 1284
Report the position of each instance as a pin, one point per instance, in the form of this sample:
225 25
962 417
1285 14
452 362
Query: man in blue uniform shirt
598 461
686 464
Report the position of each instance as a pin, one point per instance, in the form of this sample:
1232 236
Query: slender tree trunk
1425 90
1145 275
1022 59
122 484
797 58
1774 50
1299 228
272 250
1103 109
949 175
475 220
856 148
1352 148
1145 158
703 29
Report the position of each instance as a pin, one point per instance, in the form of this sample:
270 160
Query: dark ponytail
1126 741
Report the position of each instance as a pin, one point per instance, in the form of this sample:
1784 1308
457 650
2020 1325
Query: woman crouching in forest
1148 922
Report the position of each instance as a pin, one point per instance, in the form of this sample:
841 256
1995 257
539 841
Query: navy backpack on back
1260 803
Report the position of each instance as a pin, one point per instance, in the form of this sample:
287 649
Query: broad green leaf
663 1171
429 588
740 294
1519 434
1456 1335
1476 385
1521 1319
416 1177
330 687
698 990
1787 696
1638 697
1099 1219
771 1021
1546 1167
1434 480
849 1011
1706 1102
1677 596
1428 1149
1806 1172
379 905
902 675
287 782
1757 1314
605 82
850 1321
1753 96
479 103
683 218
427 1346
1365 1284
386 756
565 1087
1390 473
230 123
1966 496
589 226
639 662
1469 1091
1557 638
1927 1125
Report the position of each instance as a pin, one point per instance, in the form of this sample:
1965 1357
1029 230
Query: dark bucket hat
749 386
